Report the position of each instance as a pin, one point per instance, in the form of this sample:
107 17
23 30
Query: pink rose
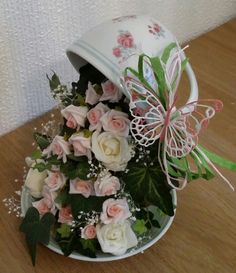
91 95
65 215
110 92
116 122
88 232
94 116
106 185
115 211
46 204
55 180
81 145
126 40
43 205
84 187
117 52
75 116
58 147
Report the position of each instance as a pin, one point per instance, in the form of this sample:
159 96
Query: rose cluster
100 133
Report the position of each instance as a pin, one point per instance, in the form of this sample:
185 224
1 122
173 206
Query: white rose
112 150
116 238
35 181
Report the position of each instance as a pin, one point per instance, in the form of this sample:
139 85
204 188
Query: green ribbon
222 162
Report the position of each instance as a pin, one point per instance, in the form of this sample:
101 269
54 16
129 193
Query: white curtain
34 35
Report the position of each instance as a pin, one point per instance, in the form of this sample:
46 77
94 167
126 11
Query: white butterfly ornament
157 117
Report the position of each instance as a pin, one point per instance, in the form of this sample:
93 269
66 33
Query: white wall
35 33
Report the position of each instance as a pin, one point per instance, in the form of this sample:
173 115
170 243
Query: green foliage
36 155
88 247
75 243
147 186
64 231
68 245
47 164
148 217
139 226
41 140
80 203
36 230
54 82
41 166
73 169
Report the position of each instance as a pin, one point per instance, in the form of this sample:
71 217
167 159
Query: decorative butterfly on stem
153 105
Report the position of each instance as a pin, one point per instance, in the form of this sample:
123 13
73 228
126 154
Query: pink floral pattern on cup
156 30
125 46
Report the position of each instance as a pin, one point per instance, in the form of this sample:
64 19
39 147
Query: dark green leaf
88 247
68 245
53 160
147 185
80 203
63 198
54 82
41 140
36 230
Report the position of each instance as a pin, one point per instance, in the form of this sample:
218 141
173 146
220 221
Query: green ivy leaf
68 245
41 140
80 203
70 169
54 82
36 155
76 168
36 230
64 230
53 160
88 247
63 198
41 166
79 100
139 226
147 186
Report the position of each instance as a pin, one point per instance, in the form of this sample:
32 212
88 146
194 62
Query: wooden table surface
202 238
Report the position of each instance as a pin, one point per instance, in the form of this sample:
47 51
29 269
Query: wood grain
203 235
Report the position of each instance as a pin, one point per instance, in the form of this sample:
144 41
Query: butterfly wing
169 168
186 124
148 113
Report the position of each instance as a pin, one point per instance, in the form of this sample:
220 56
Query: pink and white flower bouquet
94 177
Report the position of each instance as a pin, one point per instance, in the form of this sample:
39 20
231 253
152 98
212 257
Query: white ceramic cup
109 45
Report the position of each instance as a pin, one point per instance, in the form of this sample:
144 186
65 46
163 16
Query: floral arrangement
96 173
